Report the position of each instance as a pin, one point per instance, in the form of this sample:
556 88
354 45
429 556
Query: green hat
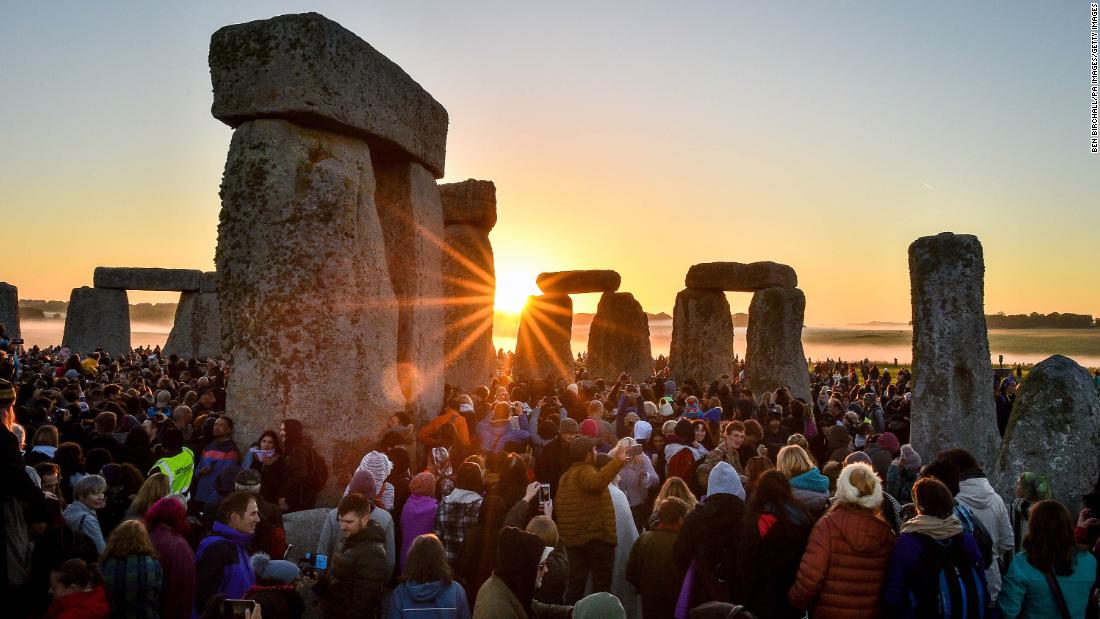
7 390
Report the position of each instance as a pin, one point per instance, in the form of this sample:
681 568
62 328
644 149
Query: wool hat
580 447
857 456
7 390
266 568
910 459
589 427
362 482
631 417
569 426
422 484
650 409
642 431
684 429
666 408
889 441
600 605
248 478
846 492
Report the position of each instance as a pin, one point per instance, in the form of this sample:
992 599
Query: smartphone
634 450
238 608
544 493
320 562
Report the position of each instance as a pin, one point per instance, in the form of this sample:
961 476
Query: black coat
711 537
770 564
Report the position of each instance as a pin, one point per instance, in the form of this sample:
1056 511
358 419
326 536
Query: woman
673 486
851 545
684 450
626 533
458 511
155 488
1030 489
932 546
775 534
509 592
418 515
477 557
755 469
427 583
276 588
123 483
70 457
703 436
90 494
1050 560
77 591
551 588
380 468
266 456
636 479
43 446
810 487
131 573
166 521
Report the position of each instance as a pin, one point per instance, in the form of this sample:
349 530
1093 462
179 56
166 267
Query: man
222 563
270 536
219 454
606 432
709 536
555 455
178 462
872 410
733 436
586 517
651 565
358 573
430 434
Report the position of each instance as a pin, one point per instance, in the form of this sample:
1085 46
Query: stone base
196 332
702 336
619 339
774 356
98 318
542 346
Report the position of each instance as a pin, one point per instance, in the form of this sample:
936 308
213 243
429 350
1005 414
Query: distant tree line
34 309
1035 320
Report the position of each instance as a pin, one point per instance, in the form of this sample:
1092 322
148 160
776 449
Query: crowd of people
128 493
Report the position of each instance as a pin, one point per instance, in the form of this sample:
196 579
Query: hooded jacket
222 565
359 573
81 605
811 489
990 510
82 519
509 592
167 521
710 536
842 571
417 518
430 600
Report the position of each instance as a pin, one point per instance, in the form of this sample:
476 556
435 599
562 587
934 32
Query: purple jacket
222 565
417 518
905 565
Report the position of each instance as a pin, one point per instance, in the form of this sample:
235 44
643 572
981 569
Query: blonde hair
45 435
793 461
155 488
545 529
129 538
674 486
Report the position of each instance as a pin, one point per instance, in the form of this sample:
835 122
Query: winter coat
81 605
811 489
358 575
1025 592
177 561
428 600
331 535
222 565
899 482
277 601
457 514
133 585
551 589
417 518
218 455
842 571
496 601
909 566
713 457
583 505
301 482
990 510
553 463
771 553
83 519
651 570
710 538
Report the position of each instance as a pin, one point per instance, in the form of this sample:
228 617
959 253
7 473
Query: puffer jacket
583 505
496 601
842 572
358 575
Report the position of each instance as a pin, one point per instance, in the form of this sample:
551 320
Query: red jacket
844 566
81 605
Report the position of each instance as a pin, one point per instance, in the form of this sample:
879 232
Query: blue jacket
1025 592
494 434
222 565
906 562
430 600
218 455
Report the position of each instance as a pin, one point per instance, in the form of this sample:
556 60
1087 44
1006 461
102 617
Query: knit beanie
910 459
362 482
274 570
589 427
889 441
422 484
600 605
547 429
568 426
857 456
650 409
684 429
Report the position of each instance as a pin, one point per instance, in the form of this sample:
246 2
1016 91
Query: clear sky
638 136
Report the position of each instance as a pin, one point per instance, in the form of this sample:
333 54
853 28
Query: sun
514 284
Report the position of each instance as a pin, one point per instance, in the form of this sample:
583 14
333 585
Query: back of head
427 561
963 460
129 538
793 461
933 498
545 528
75 572
1049 543
89 485
859 486
945 472
672 511
601 605
469 478
772 491
235 503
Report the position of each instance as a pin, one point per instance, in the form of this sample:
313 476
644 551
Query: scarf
936 528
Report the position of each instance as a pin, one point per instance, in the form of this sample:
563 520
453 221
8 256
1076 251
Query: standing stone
618 340
208 281
542 346
735 276
952 376
702 336
9 310
196 331
470 202
773 355
303 531
307 306
412 222
98 318
1054 431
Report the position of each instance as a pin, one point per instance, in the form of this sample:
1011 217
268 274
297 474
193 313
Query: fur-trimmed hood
846 493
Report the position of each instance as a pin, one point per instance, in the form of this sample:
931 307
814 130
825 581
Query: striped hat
7 390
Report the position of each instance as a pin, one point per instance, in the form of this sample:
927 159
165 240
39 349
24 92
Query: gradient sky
636 136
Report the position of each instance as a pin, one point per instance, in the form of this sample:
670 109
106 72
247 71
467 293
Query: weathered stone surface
952 375
412 223
98 318
739 277
311 70
577 282
618 340
208 282
142 278
196 332
303 530
702 336
469 285
1054 431
773 354
9 310
542 345
308 312
471 202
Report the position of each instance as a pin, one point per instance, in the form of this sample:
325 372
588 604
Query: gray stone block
196 332
702 336
469 282
618 340
578 282
773 349
739 277
96 318
208 282
144 278
471 202
311 70
9 310
543 348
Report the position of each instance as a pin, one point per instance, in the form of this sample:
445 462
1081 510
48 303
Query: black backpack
949 585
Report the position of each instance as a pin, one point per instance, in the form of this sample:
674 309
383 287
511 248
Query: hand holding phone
634 450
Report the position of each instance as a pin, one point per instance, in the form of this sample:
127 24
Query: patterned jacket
133 586
457 514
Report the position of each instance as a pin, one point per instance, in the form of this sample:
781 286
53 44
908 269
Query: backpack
951 585
80 546
682 465
318 468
